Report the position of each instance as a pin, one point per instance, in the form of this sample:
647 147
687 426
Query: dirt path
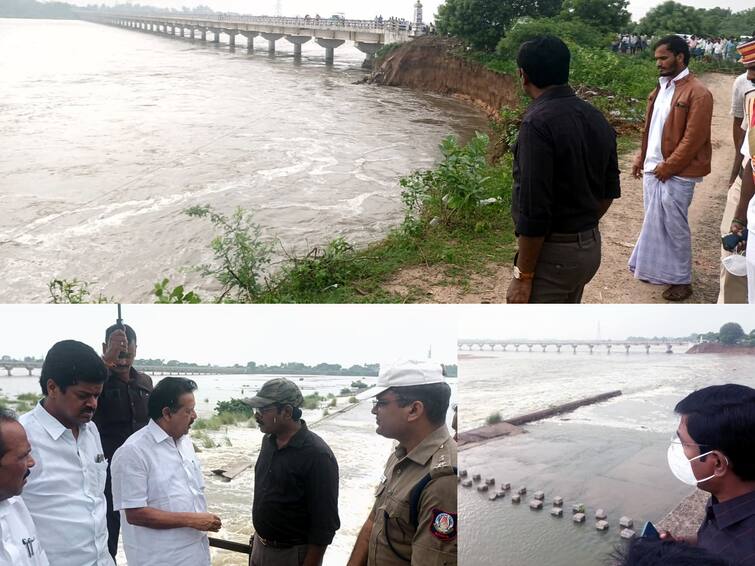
620 228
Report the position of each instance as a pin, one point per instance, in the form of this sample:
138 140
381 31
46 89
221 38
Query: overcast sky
367 10
229 334
616 321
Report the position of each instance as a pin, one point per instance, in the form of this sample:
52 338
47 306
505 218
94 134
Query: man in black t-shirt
295 508
121 409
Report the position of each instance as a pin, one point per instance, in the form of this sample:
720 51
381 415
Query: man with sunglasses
122 408
414 519
295 508
714 450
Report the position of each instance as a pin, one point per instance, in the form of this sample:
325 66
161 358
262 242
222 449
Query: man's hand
665 535
206 522
519 292
637 170
117 343
661 173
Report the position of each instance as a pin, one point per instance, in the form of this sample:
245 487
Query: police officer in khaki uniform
414 518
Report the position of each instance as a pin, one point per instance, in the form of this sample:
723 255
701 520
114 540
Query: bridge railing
319 23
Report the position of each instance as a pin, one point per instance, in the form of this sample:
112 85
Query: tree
482 23
606 15
730 333
671 17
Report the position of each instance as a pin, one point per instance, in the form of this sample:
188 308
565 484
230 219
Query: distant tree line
483 24
730 333
64 11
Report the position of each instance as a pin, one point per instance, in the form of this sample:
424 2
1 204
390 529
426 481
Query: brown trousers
564 268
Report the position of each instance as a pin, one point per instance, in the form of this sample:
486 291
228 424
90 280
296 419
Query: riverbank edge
722 349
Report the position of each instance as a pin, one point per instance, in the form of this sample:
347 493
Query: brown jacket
686 145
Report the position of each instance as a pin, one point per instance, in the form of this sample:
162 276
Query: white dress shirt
19 542
661 110
153 470
65 490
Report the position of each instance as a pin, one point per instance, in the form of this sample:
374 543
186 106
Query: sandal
678 293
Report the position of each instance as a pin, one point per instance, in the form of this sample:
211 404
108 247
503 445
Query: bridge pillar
574 349
503 347
368 49
558 348
231 37
647 348
298 41
591 346
204 33
330 46
529 347
669 349
516 347
250 35
29 370
544 346
627 346
271 39
609 349
216 36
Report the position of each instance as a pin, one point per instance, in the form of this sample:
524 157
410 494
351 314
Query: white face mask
681 466
735 264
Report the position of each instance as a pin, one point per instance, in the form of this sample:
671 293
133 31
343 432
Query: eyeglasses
378 403
261 410
676 440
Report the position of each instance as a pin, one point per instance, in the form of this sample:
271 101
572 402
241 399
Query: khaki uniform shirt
433 541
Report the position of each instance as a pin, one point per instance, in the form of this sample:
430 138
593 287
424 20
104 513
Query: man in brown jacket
675 156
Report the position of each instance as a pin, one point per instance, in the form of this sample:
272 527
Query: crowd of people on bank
566 176
701 48
106 454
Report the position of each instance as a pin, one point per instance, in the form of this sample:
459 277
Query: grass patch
494 418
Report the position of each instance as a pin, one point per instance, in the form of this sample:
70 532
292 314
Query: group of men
104 452
566 174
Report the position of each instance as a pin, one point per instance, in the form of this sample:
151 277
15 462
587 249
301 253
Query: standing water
109 134
610 455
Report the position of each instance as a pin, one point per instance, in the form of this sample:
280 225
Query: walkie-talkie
119 324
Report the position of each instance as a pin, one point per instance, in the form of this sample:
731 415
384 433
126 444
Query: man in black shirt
295 508
121 409
566 176
714 450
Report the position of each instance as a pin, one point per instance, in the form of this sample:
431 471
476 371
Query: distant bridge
10 365
484 345
368 35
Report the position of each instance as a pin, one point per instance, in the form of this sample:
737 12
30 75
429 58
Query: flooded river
611 455
361 454
109 134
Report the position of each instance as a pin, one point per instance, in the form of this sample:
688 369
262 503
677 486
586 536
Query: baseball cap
278 391
405 374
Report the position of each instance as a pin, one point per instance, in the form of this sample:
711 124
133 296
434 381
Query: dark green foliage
605 15
574 30
482 23
234 406
730 333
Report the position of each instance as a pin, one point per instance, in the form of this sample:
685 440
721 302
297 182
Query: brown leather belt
585 236
278 544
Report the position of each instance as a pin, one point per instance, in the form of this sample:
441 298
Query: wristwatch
519 274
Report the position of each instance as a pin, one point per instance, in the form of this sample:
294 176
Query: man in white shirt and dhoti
675 156
65 489
158 485
19 540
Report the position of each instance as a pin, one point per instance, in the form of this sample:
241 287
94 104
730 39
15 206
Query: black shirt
565 163
296 490
729 529
122 409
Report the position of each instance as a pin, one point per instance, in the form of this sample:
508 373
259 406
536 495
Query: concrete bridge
368 35
484 345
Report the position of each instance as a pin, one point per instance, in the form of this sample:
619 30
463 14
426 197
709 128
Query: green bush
345 391
234 406
574 31
333 402
494 418
312 401
29 397
358 385
353 400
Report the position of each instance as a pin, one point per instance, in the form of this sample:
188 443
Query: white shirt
65 490
661 110
738 91
153 470
19 541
